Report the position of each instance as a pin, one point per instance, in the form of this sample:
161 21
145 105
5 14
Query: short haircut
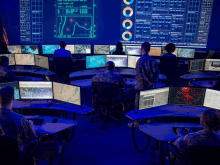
119 46
6 95
62 44
3 59
170 48
110 65
210 119
146 46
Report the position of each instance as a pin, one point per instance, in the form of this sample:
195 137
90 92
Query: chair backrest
104 94
63 64
8 150
168 64
203 154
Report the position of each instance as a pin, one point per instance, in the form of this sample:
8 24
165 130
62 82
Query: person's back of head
209 120
110 66
6 97
62 44
4 61
119 47
145 48
3 48
170 48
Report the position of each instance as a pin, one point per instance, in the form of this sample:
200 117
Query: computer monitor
11 58
24 59
119 60
82 49
101 49
31 49
196 65
212 65
212 98
71 48
67 93
153 98
14 49
36 90
113 49
155 51
95 61
49 49
133 50
42 61
186 96
14 85
186 53
132 61
210 54
163 51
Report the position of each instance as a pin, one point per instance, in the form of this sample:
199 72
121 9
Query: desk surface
199 75
42 71
163 131
205 84
93 72
166 111
86 83
52 128
55 106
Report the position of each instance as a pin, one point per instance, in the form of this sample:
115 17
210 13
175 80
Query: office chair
63 66
168 67
105 100
201 154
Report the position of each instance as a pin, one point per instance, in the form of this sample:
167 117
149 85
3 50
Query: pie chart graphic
126 13
127 24
127 36
128 2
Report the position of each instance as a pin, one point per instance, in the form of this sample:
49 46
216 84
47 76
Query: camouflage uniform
200 137
147 75
15 125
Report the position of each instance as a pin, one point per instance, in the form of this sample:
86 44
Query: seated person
208 135
170 48
14 124
119 49
4 71
62 52
4 48
110 77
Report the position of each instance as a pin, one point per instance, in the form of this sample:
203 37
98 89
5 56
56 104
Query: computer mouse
54 120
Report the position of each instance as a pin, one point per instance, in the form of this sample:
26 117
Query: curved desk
93 72
199 75
205 84
34 71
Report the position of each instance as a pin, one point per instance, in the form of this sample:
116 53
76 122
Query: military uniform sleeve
122 83
156 72
27 131
180 144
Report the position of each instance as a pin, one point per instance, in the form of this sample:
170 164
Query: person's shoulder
14 115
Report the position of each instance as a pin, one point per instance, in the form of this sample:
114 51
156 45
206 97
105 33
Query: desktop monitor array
179 96
28 59
204 65
99 49
46 90
99 61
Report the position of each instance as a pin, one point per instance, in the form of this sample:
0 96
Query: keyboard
195 129
37 121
